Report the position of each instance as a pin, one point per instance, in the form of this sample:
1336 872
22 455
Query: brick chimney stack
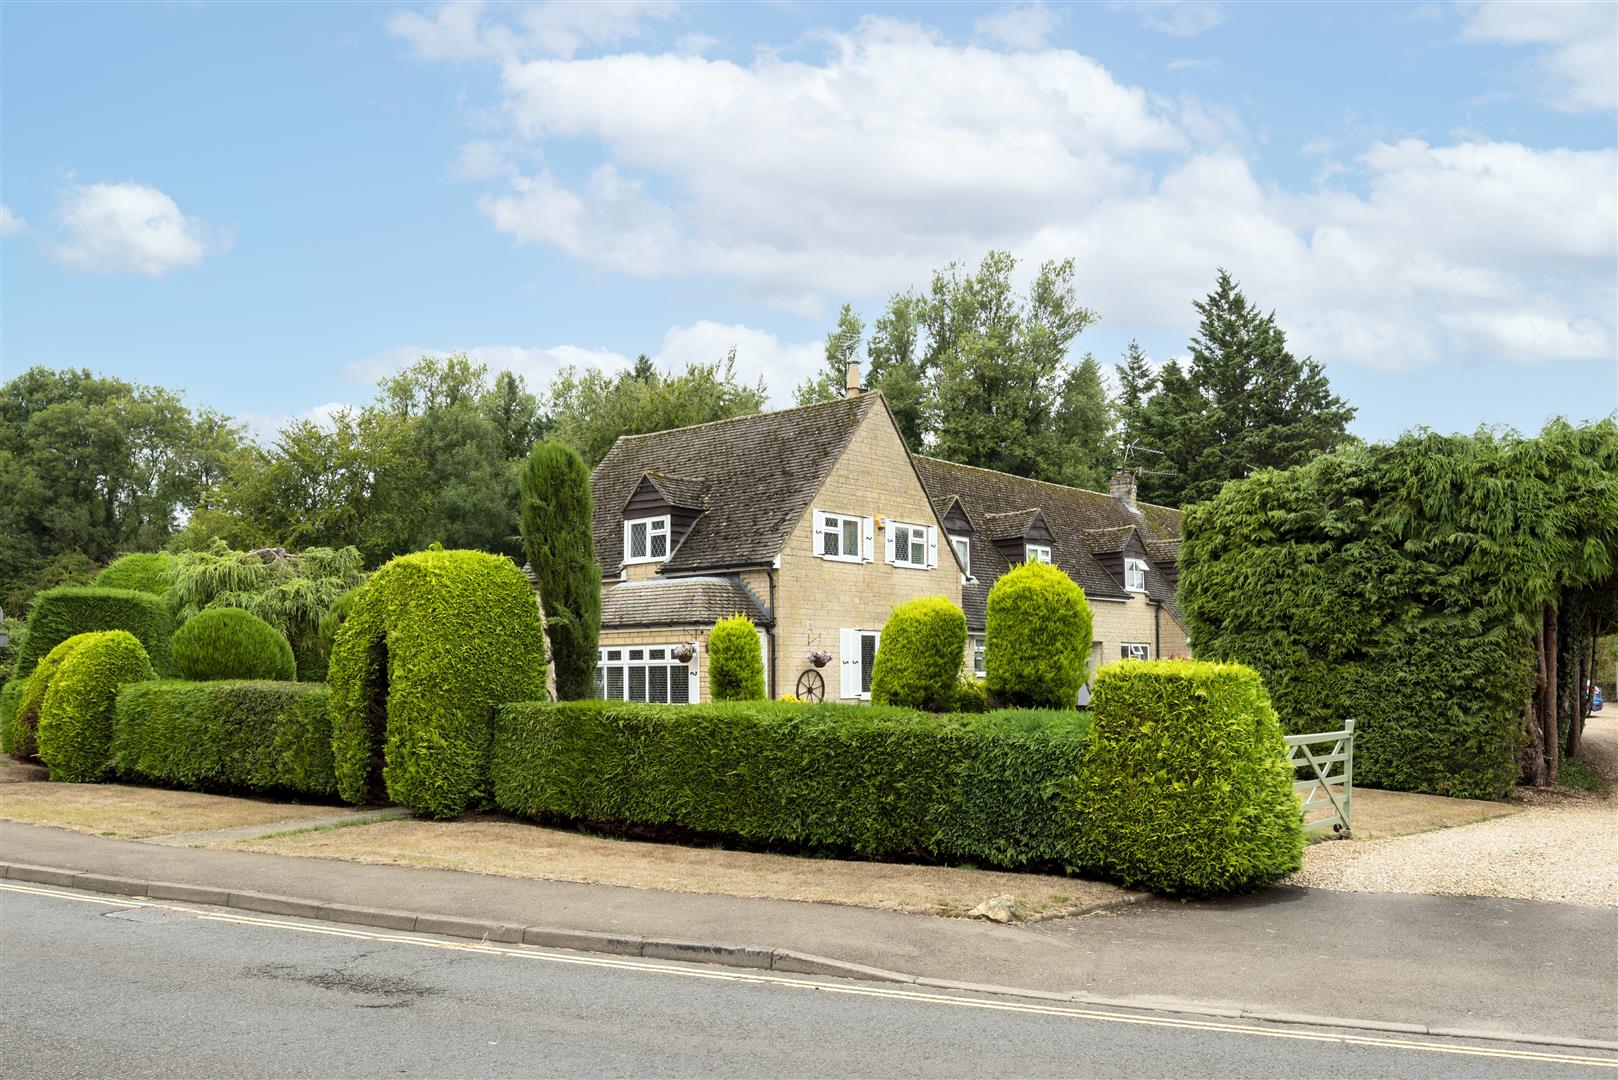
1123 487
852 385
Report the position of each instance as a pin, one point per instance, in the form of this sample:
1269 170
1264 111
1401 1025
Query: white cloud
1575 46
129 228
1022 26
262 428
459 31
1178 18
10 223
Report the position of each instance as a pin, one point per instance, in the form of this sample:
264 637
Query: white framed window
1135 575
976 643
963 551
645 673
842 537
914 546
856 658
1130 650
1037 553
646 540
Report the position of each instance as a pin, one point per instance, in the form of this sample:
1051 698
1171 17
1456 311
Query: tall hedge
735 661
247 736
1037 631
995 788
1186 789
1404 585
919 659
229 643
432 643
60 613
22 726
144 571
76 717
558 539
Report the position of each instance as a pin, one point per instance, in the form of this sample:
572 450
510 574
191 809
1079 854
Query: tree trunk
1536 712
1581 703
1553 740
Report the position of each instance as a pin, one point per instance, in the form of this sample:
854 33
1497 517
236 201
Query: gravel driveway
1562 846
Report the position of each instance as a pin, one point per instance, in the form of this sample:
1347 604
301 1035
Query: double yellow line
528 952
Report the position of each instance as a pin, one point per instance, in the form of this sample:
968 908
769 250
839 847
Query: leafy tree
898 369
1083 429
842 346
558 537
1136 383
591 409
1245 403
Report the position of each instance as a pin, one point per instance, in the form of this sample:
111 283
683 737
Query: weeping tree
293 592
558 538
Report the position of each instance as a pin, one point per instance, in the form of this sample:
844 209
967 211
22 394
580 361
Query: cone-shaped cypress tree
556 535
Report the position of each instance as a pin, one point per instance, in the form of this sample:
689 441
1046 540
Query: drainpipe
1157 631
775 633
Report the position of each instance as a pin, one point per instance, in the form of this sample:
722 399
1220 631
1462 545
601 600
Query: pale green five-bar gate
1327 796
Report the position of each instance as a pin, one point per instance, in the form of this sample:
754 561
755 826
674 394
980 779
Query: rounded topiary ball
918 663
228 643
1038 639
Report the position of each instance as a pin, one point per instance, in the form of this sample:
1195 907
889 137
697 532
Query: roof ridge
1046 483
748 416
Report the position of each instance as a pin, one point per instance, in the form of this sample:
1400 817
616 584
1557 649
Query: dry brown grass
132 813
488 844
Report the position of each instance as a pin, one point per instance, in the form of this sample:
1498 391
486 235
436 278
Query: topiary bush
61 613
229 643
919 657
1186 788
21 739
735 661
864 779
970 696
558 539
248 736
10 697
76 717
147 572
1037 639
431 644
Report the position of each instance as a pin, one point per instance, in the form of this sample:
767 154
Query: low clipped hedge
248 736
871 780
147 572
229 643
76 717
60 613
23 718
1186 789
10 701
432 643
735 661
919 658
1037 645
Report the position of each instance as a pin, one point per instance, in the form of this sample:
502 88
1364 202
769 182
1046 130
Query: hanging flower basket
684 652
819 657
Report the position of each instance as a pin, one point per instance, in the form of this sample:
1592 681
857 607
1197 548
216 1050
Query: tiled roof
688 492
1069 513
1009 525
683 601
1108 541
1163 551
758 475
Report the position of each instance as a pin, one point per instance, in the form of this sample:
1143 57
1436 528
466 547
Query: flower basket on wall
819 657
684 652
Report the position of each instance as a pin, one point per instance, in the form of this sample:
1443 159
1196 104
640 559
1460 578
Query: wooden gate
1326 795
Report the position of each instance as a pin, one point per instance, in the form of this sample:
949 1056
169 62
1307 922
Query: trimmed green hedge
872 780
1186 789
919 658
60 613
254 736
432 644
75 720
1037 638
735 661
23 723
229 643
147 572
10 700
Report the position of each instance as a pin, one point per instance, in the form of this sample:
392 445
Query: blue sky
271 205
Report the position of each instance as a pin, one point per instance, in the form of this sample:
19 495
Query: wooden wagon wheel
811 686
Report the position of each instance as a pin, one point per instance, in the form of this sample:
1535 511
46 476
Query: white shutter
888 546
932 547
867 550
848 656
818 540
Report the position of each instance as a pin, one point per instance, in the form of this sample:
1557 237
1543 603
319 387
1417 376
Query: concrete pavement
105 985
1532 969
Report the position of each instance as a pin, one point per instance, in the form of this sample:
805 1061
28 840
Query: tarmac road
99 985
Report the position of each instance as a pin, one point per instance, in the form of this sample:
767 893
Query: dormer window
963 551
646 540
1038 553
1135 575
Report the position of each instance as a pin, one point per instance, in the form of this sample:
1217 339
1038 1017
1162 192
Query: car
1595 701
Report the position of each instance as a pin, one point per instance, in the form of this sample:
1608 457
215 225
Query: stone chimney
1123 487
852 381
